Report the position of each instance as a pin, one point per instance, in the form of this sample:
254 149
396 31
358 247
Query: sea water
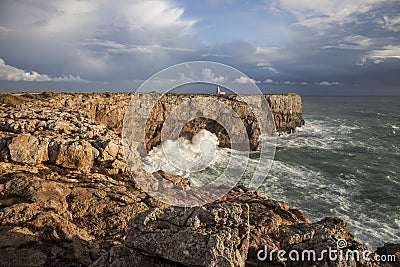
344 162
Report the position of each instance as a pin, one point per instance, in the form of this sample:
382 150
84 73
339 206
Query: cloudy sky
324 47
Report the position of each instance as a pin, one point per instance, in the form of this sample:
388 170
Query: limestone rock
266 216
62 222
61 126
55 212
121 256
76 115
320 236
214 235
175 179
108 150
78 155
11 240
109 109
54 148
287 112
103 212
28 149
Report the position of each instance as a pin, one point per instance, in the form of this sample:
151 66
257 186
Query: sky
324 47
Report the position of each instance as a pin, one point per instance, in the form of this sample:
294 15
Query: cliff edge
66 198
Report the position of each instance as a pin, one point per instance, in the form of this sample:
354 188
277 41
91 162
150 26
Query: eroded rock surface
29 149
233 230
214 235
67 199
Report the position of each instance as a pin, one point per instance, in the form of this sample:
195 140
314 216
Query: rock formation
109 109
66 197
231 232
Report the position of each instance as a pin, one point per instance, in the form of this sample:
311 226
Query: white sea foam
394 179
318 134
285 176
319 196
183 156
311 189
368 227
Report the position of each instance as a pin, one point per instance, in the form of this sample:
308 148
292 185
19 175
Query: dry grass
12 99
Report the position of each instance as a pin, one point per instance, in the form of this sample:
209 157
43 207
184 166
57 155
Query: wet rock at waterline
67 198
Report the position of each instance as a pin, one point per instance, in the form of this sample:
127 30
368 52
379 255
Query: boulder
266 216
78 155
62 222
212 235
329 234
108 150
28 149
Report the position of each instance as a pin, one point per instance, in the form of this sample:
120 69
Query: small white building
219 92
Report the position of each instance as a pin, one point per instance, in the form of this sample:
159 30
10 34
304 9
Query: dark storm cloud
356 51
347 47
97 40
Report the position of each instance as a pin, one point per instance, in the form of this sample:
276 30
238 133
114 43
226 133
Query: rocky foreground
67 199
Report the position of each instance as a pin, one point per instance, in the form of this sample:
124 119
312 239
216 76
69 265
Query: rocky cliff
109 110
66 197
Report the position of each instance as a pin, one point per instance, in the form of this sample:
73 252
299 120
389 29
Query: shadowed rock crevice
109 110
67 199
239 229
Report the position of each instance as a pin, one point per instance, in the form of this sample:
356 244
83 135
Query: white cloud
245 79
131 50
379 61
387 52
114 48
209 76
267 66
263 64
103 41
266 50
155 16
380 55
10 73
97 39
108 44
321 14
291 83
326 83
354 42
70 78
390 23
364 27
216 55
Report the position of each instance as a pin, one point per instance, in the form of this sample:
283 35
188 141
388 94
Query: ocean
344 162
